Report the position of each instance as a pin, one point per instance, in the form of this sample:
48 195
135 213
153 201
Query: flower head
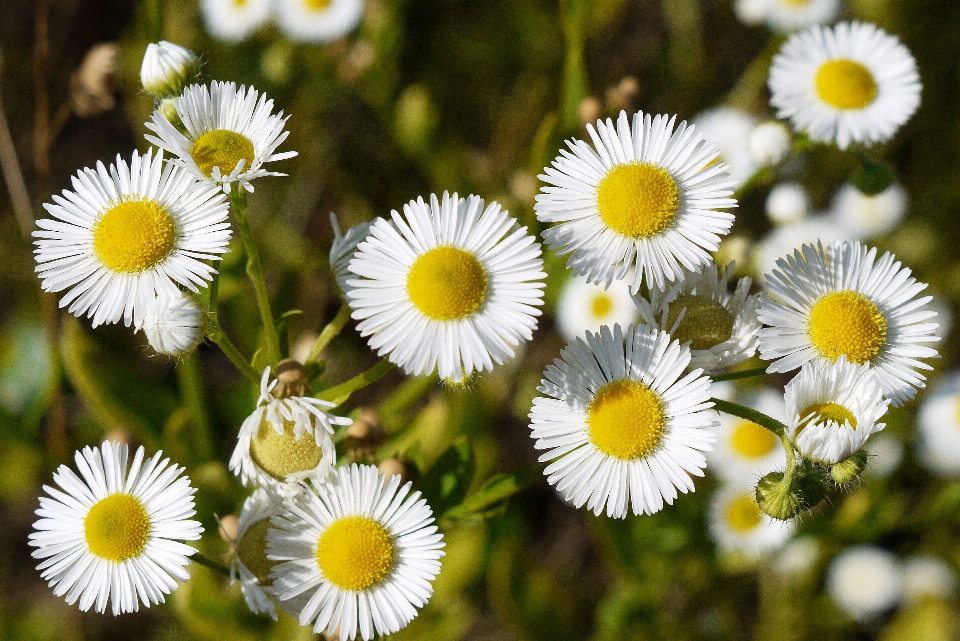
343 248
318 20
167 68
865 580
585 306
173 324
234 20
739 527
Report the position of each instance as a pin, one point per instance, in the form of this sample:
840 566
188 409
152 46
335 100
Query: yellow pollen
117 527
221 148
751 440
447 283
133 236
252 550
355 553
317 5
847 323
601 305
743 513
845 84
826 412
706 323
281 454
625 419
638 200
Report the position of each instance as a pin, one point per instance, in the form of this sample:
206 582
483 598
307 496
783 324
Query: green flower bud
810 483
872 177
167 68
776 498
850 469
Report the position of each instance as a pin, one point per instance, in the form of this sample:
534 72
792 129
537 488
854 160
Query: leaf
446 483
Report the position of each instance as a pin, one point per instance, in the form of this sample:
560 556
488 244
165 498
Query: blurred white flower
926 575
729 129
318 20
769 142
938 425
738 526
864 581
585 306
868 216
787 203
232 21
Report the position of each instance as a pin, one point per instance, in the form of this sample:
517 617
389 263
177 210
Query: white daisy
720 326
844 301
318 20
799 556
851 82
783 240
729 129
173 324
584 306
167 68
869 216
230 133
646 200
885 452
787 203
285 440
745 451
769 143
363 548
865 580
832 409
925 575
751 12
448 285
738 526
938 424
234 20
113 534
623 426
343 248
126 234
790 15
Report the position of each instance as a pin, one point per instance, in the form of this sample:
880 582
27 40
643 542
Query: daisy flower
644 198
173 324
927 576
343 248
362 547
729 129
738 526
318 20
864 581
832 409
623 426
234 20
285 440
790 15
127 234
721 327
938 424
113 534
851 82
584 306
745 451
448 285
843 301
230 133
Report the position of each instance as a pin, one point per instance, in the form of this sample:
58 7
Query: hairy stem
218 336
340 393
329 332
210 563
759 418
732 376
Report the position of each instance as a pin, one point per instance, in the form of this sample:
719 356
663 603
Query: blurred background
473 96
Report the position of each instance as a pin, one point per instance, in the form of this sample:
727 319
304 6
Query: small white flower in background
790 15
783 240
869 216
584 306
343 248
864 581
234 20
230 134
832 409
787 203
769 142
885 453
167 68
737 525
751 12
938 424
113 532
944 316
729 129
925 575
173 324
745 451
721 327
363 549
849 83
797 556
318 20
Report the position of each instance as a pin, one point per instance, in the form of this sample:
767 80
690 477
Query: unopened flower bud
291 379
167 68
168 107
850 469
227 527
776 498
395 467
810 484
173 324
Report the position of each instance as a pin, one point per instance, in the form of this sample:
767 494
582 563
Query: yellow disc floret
625 419
355 553
845 84
318 5
601 305
743 513
447 283
638 199
222 148
751 440
705 324
823 412
252 550
847 323
281 454
117 527
134 236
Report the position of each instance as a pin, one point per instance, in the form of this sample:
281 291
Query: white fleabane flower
751 12
844 301
938 424
584 306
233 20
745 451
790 15
343 248
112 533
832 409
729 129
230 134
865 580
925 575
285 440
885 453
783 240
769 143
173 324
447 286
721 327
787 203
363 549
849 83
167 68
738 526
869 216
622 424
127 234
318 20
645 198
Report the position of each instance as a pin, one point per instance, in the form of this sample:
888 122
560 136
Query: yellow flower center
239 3
847 323
221 148
638 200
317 5
743 513
117 527
134 236
826 412
252 550
796 3
625 419
281 454
355 553
447 283
706 323
845 84
751 440
601 305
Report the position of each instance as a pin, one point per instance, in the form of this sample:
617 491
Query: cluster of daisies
300 20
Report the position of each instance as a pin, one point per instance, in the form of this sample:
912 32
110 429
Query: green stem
218 336
574 87
791 458
238 201
329 332
210 563
340 393
759 418
408 393
746 373
190 380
